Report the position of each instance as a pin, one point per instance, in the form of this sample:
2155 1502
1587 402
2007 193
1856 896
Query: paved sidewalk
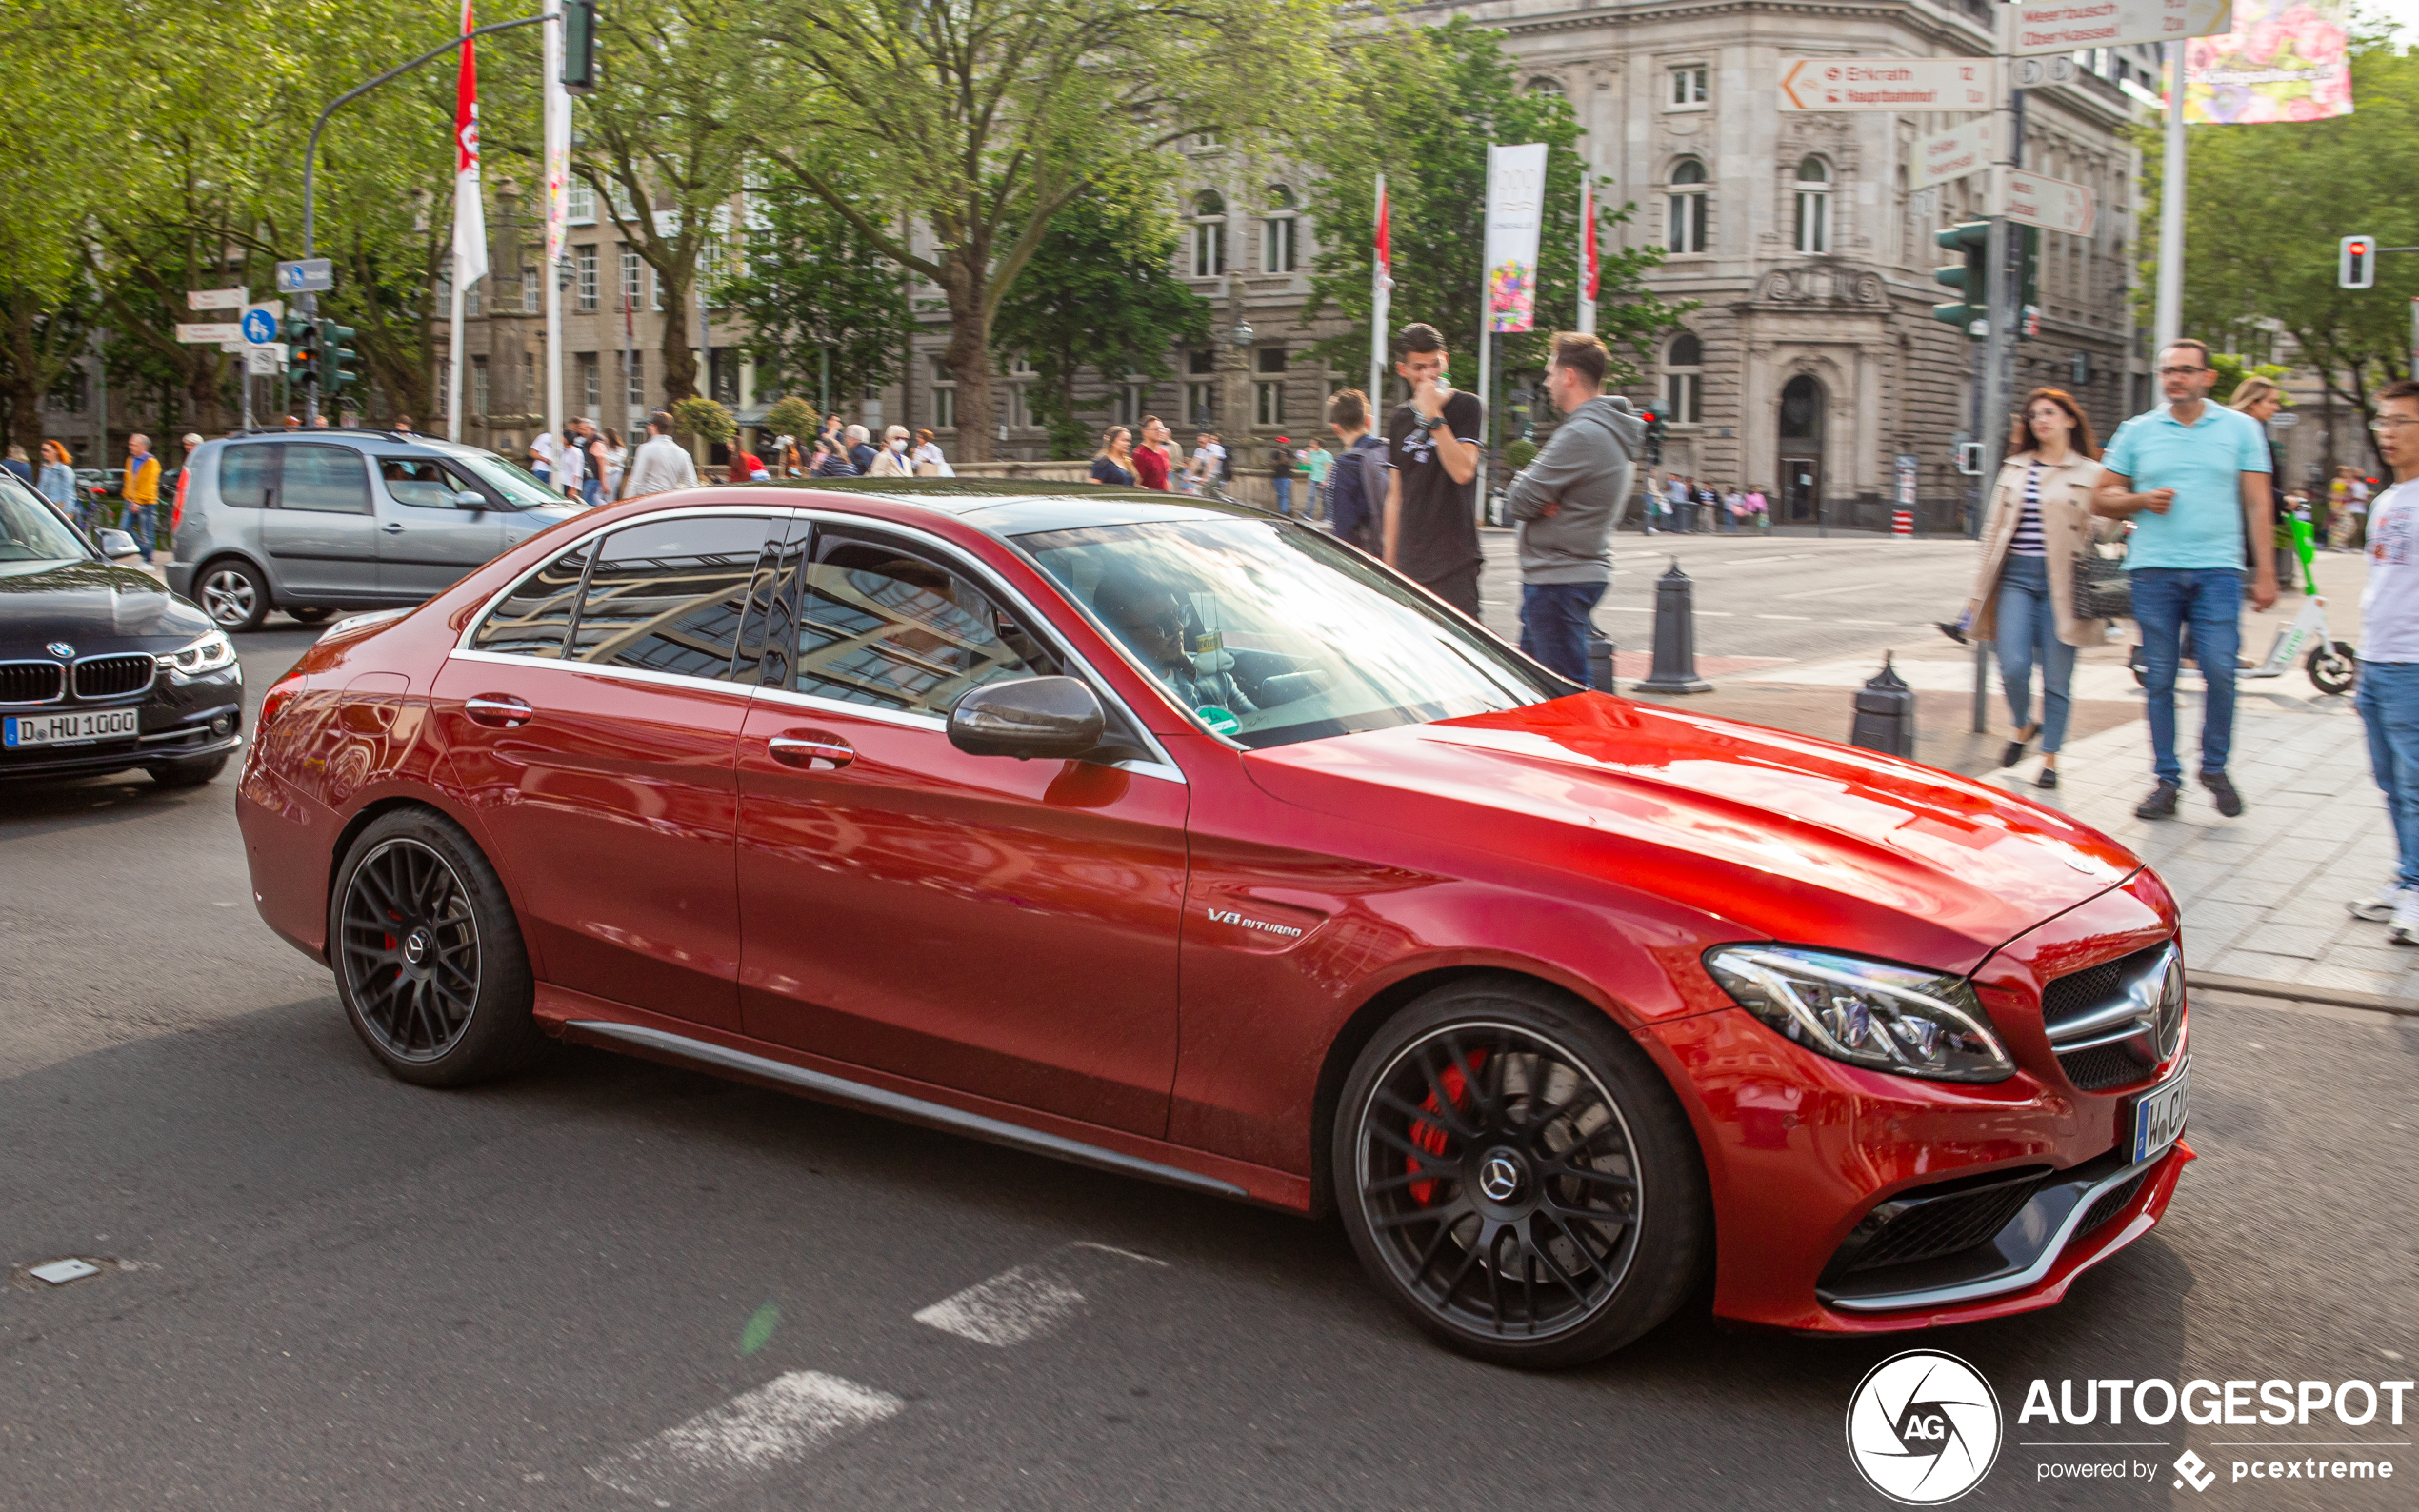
2264 895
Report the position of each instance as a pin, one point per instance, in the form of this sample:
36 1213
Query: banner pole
1486 346
2169 320
1381 308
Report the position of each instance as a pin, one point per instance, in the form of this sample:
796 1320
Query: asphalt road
320 1288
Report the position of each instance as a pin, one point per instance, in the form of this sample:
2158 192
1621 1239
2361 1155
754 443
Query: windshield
1272 634
519 488
31 531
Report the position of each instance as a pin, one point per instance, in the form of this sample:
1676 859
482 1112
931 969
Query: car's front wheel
429 957
1517 1176
232 593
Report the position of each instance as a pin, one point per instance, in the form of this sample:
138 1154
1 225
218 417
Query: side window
245 475
769 632
883 626
418 481
667 596
533 618
326 479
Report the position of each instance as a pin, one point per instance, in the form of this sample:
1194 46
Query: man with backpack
1356 480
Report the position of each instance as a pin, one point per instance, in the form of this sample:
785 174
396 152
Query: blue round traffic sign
260 327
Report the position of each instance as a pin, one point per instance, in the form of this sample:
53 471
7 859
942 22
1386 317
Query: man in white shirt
2388 695
542 448
661 464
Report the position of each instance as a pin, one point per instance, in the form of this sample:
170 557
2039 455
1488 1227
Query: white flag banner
1515 208
469 215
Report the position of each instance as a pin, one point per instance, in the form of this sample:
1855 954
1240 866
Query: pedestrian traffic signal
339 364
579 47
1969 277
2356 263
304 362
1654 438
2027 267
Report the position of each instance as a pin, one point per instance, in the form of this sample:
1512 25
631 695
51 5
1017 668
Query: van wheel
232 593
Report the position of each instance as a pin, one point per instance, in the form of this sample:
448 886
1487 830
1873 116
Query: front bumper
180 722
180 578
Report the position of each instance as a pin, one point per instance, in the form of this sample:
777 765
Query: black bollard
1675 636
1600 662
1885 714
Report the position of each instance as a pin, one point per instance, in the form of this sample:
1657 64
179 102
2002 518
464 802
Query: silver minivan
316 521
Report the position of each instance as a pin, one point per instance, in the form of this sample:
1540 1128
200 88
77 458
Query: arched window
1279 249
1209 234
1813 205
1541 85
1684 380
1685 227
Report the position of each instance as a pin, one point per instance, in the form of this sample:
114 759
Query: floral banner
1515 206
2284 61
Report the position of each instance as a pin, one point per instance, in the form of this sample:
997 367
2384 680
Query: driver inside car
1150 617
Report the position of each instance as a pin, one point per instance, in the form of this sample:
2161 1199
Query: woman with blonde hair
2260 398
1113 464
2039 526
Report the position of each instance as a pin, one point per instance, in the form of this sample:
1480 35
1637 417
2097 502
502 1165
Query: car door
1001 927
321 533
427 540
589 718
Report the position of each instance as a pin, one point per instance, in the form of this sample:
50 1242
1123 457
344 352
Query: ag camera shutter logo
1923 1427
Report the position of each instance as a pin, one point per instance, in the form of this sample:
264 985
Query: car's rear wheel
429 957
232 593
1517 1176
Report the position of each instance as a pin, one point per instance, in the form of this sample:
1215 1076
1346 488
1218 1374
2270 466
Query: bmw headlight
1868 1013
214 652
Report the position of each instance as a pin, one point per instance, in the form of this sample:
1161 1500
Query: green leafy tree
978 121
816 291
1421 104
1099 293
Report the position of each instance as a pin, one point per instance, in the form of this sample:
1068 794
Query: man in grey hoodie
1566 500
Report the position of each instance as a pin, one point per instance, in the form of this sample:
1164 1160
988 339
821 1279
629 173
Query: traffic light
339 364
1969 277
304 363
2356 263
579 47
2029 268
1654 438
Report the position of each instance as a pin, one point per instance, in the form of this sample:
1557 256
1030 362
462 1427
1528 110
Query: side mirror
117 545
471 499
1053 717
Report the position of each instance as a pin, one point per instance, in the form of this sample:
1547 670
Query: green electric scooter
2332 664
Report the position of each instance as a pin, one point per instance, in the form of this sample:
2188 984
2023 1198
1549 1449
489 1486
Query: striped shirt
2027 541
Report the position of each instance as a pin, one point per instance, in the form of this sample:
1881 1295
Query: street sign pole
2169 324
558 154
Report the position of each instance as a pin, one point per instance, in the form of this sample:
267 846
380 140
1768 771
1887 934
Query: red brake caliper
1430 1136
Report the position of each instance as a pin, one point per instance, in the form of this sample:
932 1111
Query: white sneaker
2380 908
2405 929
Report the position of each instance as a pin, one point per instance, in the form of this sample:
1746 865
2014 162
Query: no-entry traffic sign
1888 84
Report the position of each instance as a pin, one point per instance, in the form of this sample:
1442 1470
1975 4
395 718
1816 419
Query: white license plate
70 728
2158 1114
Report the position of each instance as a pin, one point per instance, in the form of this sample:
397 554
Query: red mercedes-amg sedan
1183 842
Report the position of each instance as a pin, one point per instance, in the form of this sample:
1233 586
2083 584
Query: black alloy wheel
429 957
1518 1177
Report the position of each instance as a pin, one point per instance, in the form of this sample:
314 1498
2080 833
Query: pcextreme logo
1923 1427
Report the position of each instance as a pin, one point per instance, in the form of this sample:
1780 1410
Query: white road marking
785 1420
1026 1302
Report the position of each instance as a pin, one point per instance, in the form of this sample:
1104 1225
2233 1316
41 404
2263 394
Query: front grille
2103 1066
2074 995
2112 1204
113 676
1913 1229
2068 999
31 682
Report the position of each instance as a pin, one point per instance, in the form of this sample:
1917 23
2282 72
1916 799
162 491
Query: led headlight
1868 1013
214 652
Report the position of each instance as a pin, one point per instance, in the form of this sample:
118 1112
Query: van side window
246 475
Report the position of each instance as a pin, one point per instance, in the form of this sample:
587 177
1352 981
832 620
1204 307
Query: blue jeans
1285 496
1554 625
136 522
592 492
2210 600
2029 633
2389 703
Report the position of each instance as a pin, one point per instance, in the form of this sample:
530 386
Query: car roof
358 437
1012 506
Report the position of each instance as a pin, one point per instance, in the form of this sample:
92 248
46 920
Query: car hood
1774 835
91 605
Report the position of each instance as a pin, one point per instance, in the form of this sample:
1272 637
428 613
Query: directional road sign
2068 25
214 299
2053 204
1951 154
216 330
260 327
1888 84
309 275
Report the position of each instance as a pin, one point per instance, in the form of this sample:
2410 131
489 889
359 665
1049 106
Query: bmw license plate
19 730
2158 1114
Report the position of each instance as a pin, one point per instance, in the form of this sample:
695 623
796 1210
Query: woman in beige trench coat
2039 526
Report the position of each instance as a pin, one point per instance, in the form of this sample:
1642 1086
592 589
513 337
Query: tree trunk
680 363
969 354
24 377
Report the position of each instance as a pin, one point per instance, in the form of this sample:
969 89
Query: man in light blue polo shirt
2202 472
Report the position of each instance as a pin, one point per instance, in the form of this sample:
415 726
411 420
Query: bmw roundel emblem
60 649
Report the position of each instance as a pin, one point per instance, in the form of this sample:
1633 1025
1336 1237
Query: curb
2253 987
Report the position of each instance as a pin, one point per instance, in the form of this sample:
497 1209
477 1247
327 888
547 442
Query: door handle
394 527
807 746
494 708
